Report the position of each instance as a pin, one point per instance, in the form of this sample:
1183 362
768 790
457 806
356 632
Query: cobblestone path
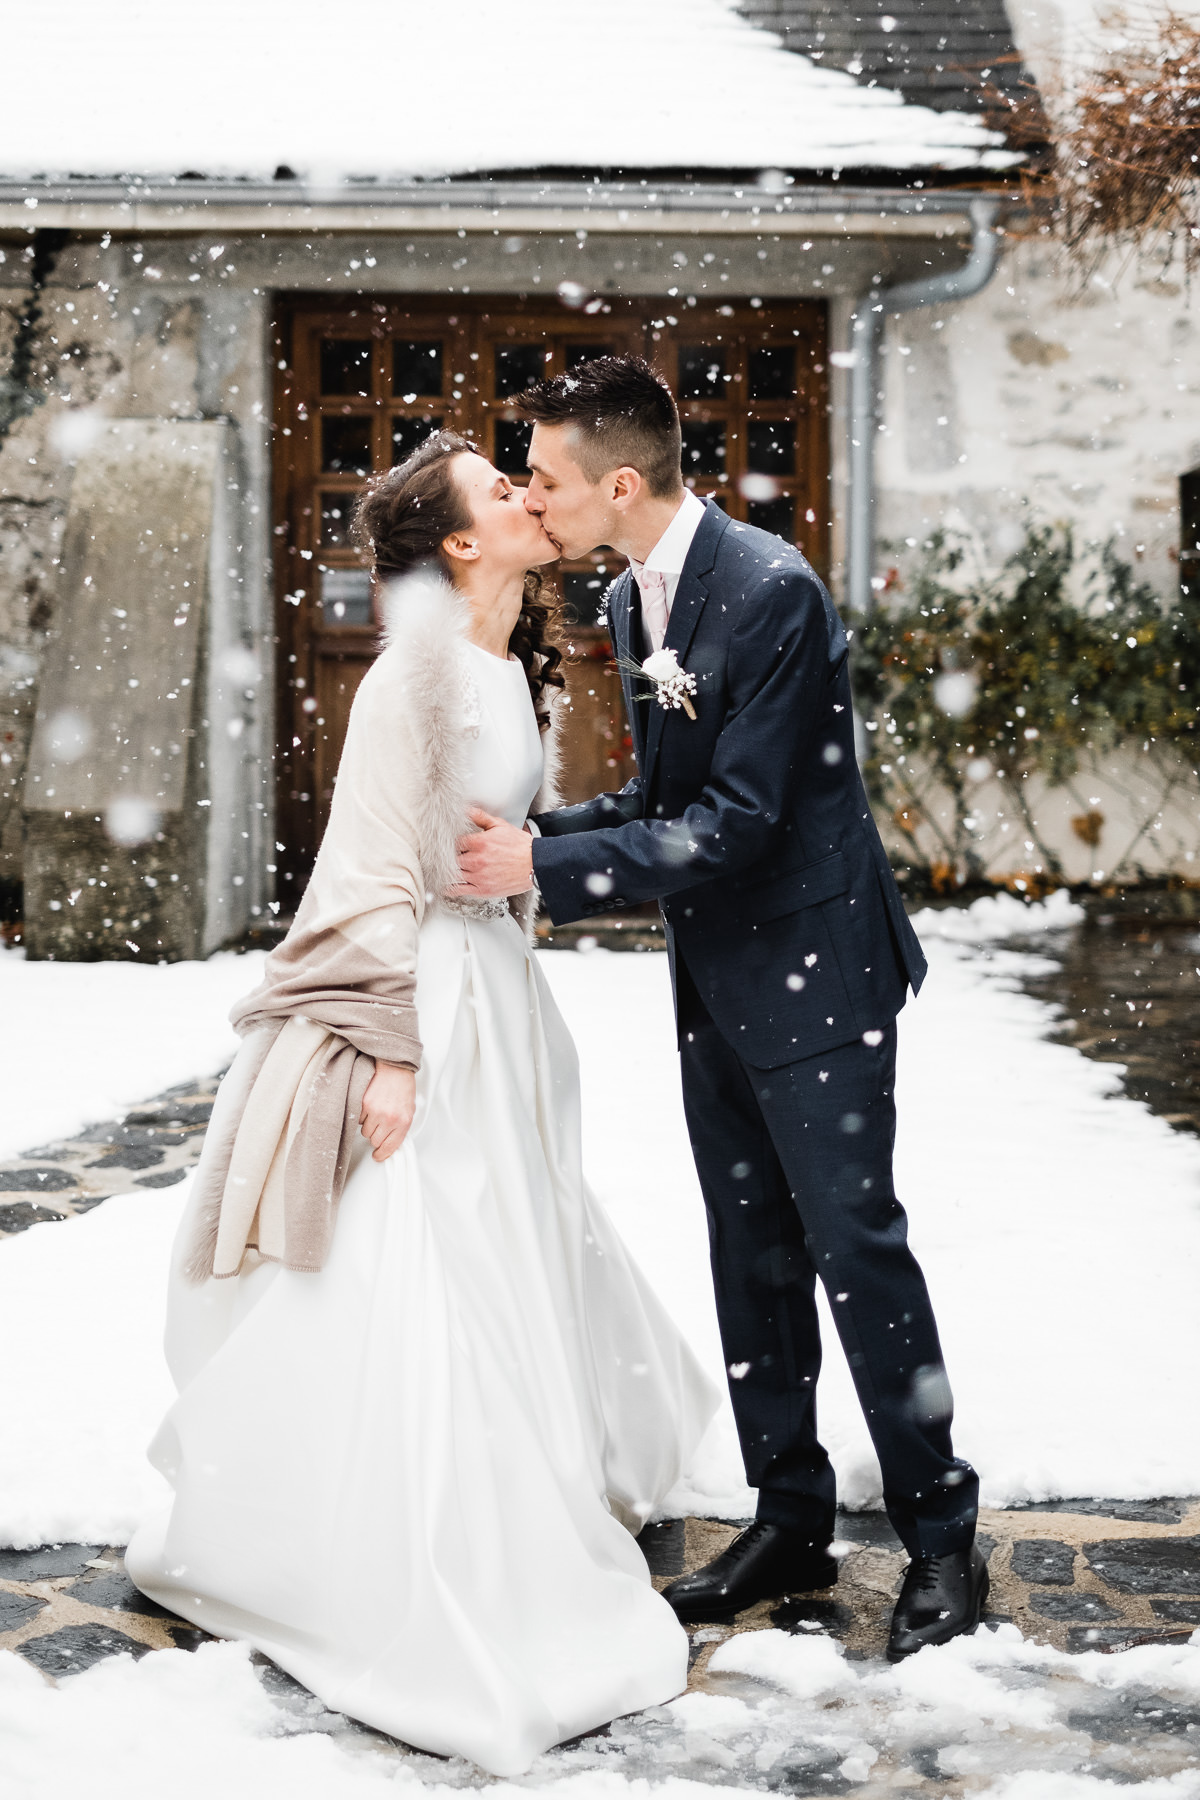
153 1146
1078 1575
1094 1575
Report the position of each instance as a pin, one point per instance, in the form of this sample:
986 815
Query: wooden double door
360 385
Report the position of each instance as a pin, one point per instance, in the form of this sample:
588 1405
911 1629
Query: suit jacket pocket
790 893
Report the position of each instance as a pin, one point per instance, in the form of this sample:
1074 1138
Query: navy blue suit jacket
749 824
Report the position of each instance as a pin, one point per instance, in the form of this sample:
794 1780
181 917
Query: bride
424 1396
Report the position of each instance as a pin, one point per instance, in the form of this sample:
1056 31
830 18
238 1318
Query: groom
791 956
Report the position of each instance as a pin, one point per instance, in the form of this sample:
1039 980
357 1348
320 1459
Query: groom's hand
496 859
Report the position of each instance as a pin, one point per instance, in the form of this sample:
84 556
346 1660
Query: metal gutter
866 330
552 205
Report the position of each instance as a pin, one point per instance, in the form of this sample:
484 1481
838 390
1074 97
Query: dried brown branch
1126 165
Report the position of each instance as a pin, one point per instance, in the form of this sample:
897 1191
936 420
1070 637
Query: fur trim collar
426 621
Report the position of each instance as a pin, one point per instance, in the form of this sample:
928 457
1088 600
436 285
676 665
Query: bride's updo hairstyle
401 523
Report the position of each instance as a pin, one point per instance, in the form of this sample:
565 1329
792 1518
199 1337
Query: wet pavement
1129 992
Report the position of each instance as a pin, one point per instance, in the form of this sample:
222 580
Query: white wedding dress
405 1478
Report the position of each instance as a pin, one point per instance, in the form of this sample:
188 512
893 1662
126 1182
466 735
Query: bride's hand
387 1109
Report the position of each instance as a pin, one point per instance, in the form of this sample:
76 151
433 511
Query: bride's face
503 537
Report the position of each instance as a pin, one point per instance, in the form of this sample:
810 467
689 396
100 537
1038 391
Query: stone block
163 1179
24 1214
112 1588
1076 1603
76 1647
126 803
1044 1560
17 1610
46 1563
1177 1612
36 1181
1148 1565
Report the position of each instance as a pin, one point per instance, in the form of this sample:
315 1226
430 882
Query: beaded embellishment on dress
477 909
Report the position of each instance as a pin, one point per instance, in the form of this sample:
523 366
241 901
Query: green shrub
1057 657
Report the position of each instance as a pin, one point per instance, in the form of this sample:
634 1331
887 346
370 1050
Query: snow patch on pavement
84 1042
788 1714
82 1308
1058 1223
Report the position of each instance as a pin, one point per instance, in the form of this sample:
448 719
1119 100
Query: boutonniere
673 686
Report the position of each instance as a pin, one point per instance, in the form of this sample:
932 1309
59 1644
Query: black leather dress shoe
763 1562
942 1597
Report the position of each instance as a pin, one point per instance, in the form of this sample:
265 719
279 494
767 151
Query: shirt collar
670 553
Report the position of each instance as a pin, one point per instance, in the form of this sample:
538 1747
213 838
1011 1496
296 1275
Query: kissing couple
426 1399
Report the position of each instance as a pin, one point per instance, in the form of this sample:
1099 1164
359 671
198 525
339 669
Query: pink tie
653 585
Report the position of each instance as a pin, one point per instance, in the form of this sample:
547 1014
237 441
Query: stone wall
1027 396
1040 399
118 341
1036 401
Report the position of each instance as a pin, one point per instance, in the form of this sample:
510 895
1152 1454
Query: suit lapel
625 629
686 609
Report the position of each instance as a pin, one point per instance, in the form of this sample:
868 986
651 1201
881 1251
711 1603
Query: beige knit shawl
338 993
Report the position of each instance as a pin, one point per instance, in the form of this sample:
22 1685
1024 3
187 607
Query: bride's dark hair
399 527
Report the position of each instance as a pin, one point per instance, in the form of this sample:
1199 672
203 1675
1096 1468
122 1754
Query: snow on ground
140 89
1057 1220
84 1042
790 1713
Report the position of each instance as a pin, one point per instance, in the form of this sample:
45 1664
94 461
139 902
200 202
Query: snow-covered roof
435 87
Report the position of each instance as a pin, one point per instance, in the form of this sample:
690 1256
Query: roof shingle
951 55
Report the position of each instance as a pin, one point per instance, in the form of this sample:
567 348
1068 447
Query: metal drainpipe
866 330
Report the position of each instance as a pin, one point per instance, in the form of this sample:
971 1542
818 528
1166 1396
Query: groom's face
574 511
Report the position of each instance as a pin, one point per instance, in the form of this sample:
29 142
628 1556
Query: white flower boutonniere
673 685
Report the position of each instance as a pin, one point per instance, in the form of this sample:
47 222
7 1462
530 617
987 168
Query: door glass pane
336 512
512 446
409 434
775 516
518 366
581 353
346 366
346 597
346 446
703 448
417 367
773 372
701 372
771 446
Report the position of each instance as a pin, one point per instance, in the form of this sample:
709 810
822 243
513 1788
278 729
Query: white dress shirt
670 553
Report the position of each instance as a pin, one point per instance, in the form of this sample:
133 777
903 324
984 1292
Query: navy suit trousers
795 1164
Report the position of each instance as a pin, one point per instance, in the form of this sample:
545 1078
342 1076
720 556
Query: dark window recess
701 372
345 446
346 366
409 434
346 597
771 446
703 448
518 366
1189 531
773 372
336 512
582 353
776 516
583 590
417 368
512 446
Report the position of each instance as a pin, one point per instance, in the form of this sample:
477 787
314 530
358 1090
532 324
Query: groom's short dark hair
622 414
